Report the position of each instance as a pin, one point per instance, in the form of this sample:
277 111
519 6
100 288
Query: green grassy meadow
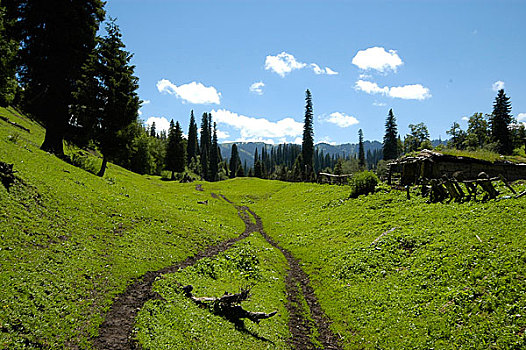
445 276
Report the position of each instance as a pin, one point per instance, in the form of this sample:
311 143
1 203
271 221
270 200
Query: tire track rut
116 332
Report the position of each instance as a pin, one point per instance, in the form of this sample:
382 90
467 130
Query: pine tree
8 51
153 130
307 145
214 156
500 121
361 153
57 40
235 162
180 149
193 146
107 93
390 145
171 150
205 146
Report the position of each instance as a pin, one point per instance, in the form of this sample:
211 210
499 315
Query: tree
500 121
205 146
57 40
214 156
458 136
192 149
418 138
307 145
361 153
153 130
175 151
8 51
390 145
235 161
107 93
478 133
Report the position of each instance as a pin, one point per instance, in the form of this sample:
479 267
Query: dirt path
116 332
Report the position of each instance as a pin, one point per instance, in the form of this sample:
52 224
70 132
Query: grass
448 276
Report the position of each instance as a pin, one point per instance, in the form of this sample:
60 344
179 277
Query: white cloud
222 134
298 141
254 128
465 118
498 85
327 140
257 88
193 92
378 59
379 104
257 139
341 119
406 92
145 102
161 123
521 117
284 63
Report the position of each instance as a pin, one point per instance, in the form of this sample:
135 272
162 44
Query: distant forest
83 89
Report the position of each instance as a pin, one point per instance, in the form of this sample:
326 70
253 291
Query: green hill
383 271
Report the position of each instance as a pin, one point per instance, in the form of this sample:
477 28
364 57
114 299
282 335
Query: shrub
363 183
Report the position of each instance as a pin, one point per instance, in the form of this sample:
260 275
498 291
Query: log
503 179
228 305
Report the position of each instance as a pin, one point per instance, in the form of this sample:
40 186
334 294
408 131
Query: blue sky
250 62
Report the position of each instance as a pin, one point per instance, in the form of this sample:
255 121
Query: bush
85 161
363 183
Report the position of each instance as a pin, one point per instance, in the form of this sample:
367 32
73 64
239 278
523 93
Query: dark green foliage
418 138
361 153
205 146
363 183
175 150
390 145
57 40
500 121
153 130
458 136
478 132
192 149
107 93
214 156
235 162
8 51
307 145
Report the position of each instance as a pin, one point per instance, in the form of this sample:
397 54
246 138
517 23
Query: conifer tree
8 51
180 149
205 146
107 93
361 153
214 156
57 40
192 146
390 145
171 150
307 145
153 130
235 162
500 121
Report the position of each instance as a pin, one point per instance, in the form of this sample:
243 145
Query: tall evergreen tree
153 130
110 97
235 162
171 150
57 40
361 153
180 149
8 51
390 145
307 145
500 121
205 146
214 156
192 147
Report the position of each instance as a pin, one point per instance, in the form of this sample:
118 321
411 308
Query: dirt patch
116 332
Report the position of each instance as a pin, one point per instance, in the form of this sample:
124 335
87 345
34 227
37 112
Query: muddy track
116 332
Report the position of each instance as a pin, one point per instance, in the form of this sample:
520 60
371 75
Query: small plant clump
363 183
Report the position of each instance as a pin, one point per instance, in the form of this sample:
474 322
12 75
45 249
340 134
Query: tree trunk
103 167
53 140
173 176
